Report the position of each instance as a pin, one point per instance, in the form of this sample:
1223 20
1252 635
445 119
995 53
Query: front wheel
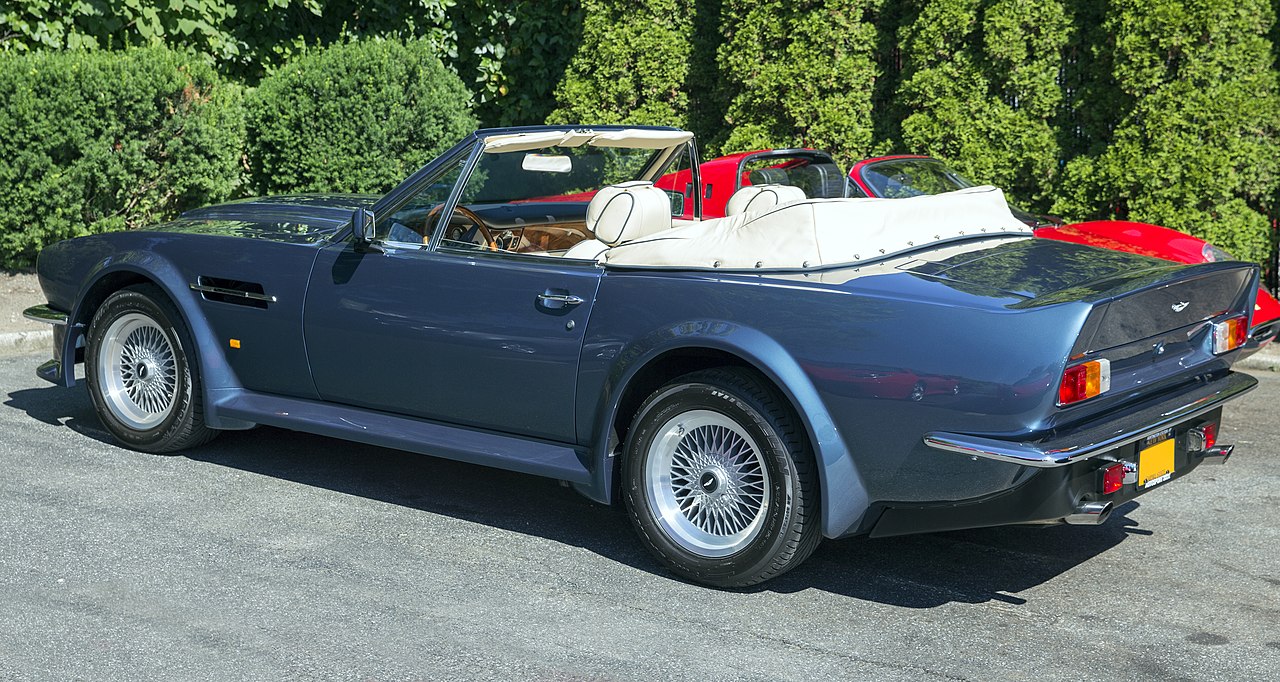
720 482
143 387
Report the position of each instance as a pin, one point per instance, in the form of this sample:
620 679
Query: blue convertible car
546 300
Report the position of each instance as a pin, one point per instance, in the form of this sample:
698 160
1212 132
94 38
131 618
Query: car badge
1180 306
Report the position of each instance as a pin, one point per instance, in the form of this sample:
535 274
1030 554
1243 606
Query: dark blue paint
535 457
450 336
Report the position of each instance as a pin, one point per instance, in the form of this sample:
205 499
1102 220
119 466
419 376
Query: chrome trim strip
45 314
206 289
1095 440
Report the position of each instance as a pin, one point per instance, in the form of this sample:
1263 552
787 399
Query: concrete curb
22 343
1266 359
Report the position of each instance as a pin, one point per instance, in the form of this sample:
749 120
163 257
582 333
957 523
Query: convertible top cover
823 232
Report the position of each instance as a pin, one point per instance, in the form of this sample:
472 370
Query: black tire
721 430
144 389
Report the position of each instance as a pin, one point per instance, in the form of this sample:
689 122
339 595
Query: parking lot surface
269 554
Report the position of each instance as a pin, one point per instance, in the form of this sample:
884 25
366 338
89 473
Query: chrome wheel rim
138 371
707 483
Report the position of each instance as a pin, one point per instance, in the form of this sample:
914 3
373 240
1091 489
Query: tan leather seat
621 213
762 198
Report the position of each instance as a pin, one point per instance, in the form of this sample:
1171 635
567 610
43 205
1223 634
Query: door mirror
362 226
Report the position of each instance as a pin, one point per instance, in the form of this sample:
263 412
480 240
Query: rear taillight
1112 478
1202 437
1230 334
1084 381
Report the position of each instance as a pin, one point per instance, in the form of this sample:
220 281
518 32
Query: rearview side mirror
362 227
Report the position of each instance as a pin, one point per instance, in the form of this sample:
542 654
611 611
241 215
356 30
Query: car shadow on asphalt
969 566
919 571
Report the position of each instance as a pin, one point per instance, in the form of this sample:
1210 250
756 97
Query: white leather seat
621 213
762 198
820 232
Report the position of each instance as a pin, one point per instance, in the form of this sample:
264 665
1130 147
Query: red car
907 175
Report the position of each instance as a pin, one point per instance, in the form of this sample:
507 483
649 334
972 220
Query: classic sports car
746 386
908 175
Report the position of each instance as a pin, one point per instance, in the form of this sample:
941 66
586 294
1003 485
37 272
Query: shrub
1193 136
980 81
630 66
800 74
356 117
96 141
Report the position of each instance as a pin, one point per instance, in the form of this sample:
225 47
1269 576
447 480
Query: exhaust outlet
1217 454
1090 514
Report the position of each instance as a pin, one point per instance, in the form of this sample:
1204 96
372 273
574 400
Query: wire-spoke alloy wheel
138 371
143 388
720 481
707 482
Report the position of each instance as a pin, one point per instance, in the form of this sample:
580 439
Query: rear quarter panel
842 351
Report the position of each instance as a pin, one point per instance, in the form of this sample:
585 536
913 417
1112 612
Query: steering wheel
464 226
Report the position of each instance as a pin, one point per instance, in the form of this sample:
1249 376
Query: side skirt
540 458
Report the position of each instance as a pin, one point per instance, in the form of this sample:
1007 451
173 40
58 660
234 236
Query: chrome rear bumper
1096 439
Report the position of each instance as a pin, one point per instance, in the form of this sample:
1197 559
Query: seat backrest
762 198
768 176
627 211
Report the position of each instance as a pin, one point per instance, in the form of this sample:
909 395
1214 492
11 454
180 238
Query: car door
477 340
467 334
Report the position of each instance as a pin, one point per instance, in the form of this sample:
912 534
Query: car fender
215 374
843 496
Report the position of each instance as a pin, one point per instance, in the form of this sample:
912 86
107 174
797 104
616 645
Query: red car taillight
1230 334
1202 437
1084 381
1113 478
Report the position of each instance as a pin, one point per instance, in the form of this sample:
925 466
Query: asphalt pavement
275 555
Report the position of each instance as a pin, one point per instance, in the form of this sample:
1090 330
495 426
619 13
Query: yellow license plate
1155 463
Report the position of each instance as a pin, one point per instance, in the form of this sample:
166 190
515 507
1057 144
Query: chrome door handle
562 299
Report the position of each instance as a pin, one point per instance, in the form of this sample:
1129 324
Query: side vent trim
232 291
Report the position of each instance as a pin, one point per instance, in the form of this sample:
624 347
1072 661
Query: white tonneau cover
821 232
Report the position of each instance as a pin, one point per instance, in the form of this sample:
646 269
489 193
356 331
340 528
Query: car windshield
897 178
819 178
553 173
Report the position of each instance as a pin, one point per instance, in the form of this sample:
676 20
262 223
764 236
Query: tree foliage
980 82
357 117
1194 145
1157 110
800 74
96 141
630 66
246 39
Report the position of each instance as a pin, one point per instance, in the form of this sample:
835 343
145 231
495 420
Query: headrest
630 210
768 176
762 198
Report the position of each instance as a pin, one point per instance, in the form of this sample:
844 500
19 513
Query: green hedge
979 88
1165 111
799 74
97 141
1195 115
630 66
355 118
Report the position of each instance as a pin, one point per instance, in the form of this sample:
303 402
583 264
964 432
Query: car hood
298 218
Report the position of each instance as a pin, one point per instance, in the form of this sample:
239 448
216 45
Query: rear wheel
720 481
144 389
